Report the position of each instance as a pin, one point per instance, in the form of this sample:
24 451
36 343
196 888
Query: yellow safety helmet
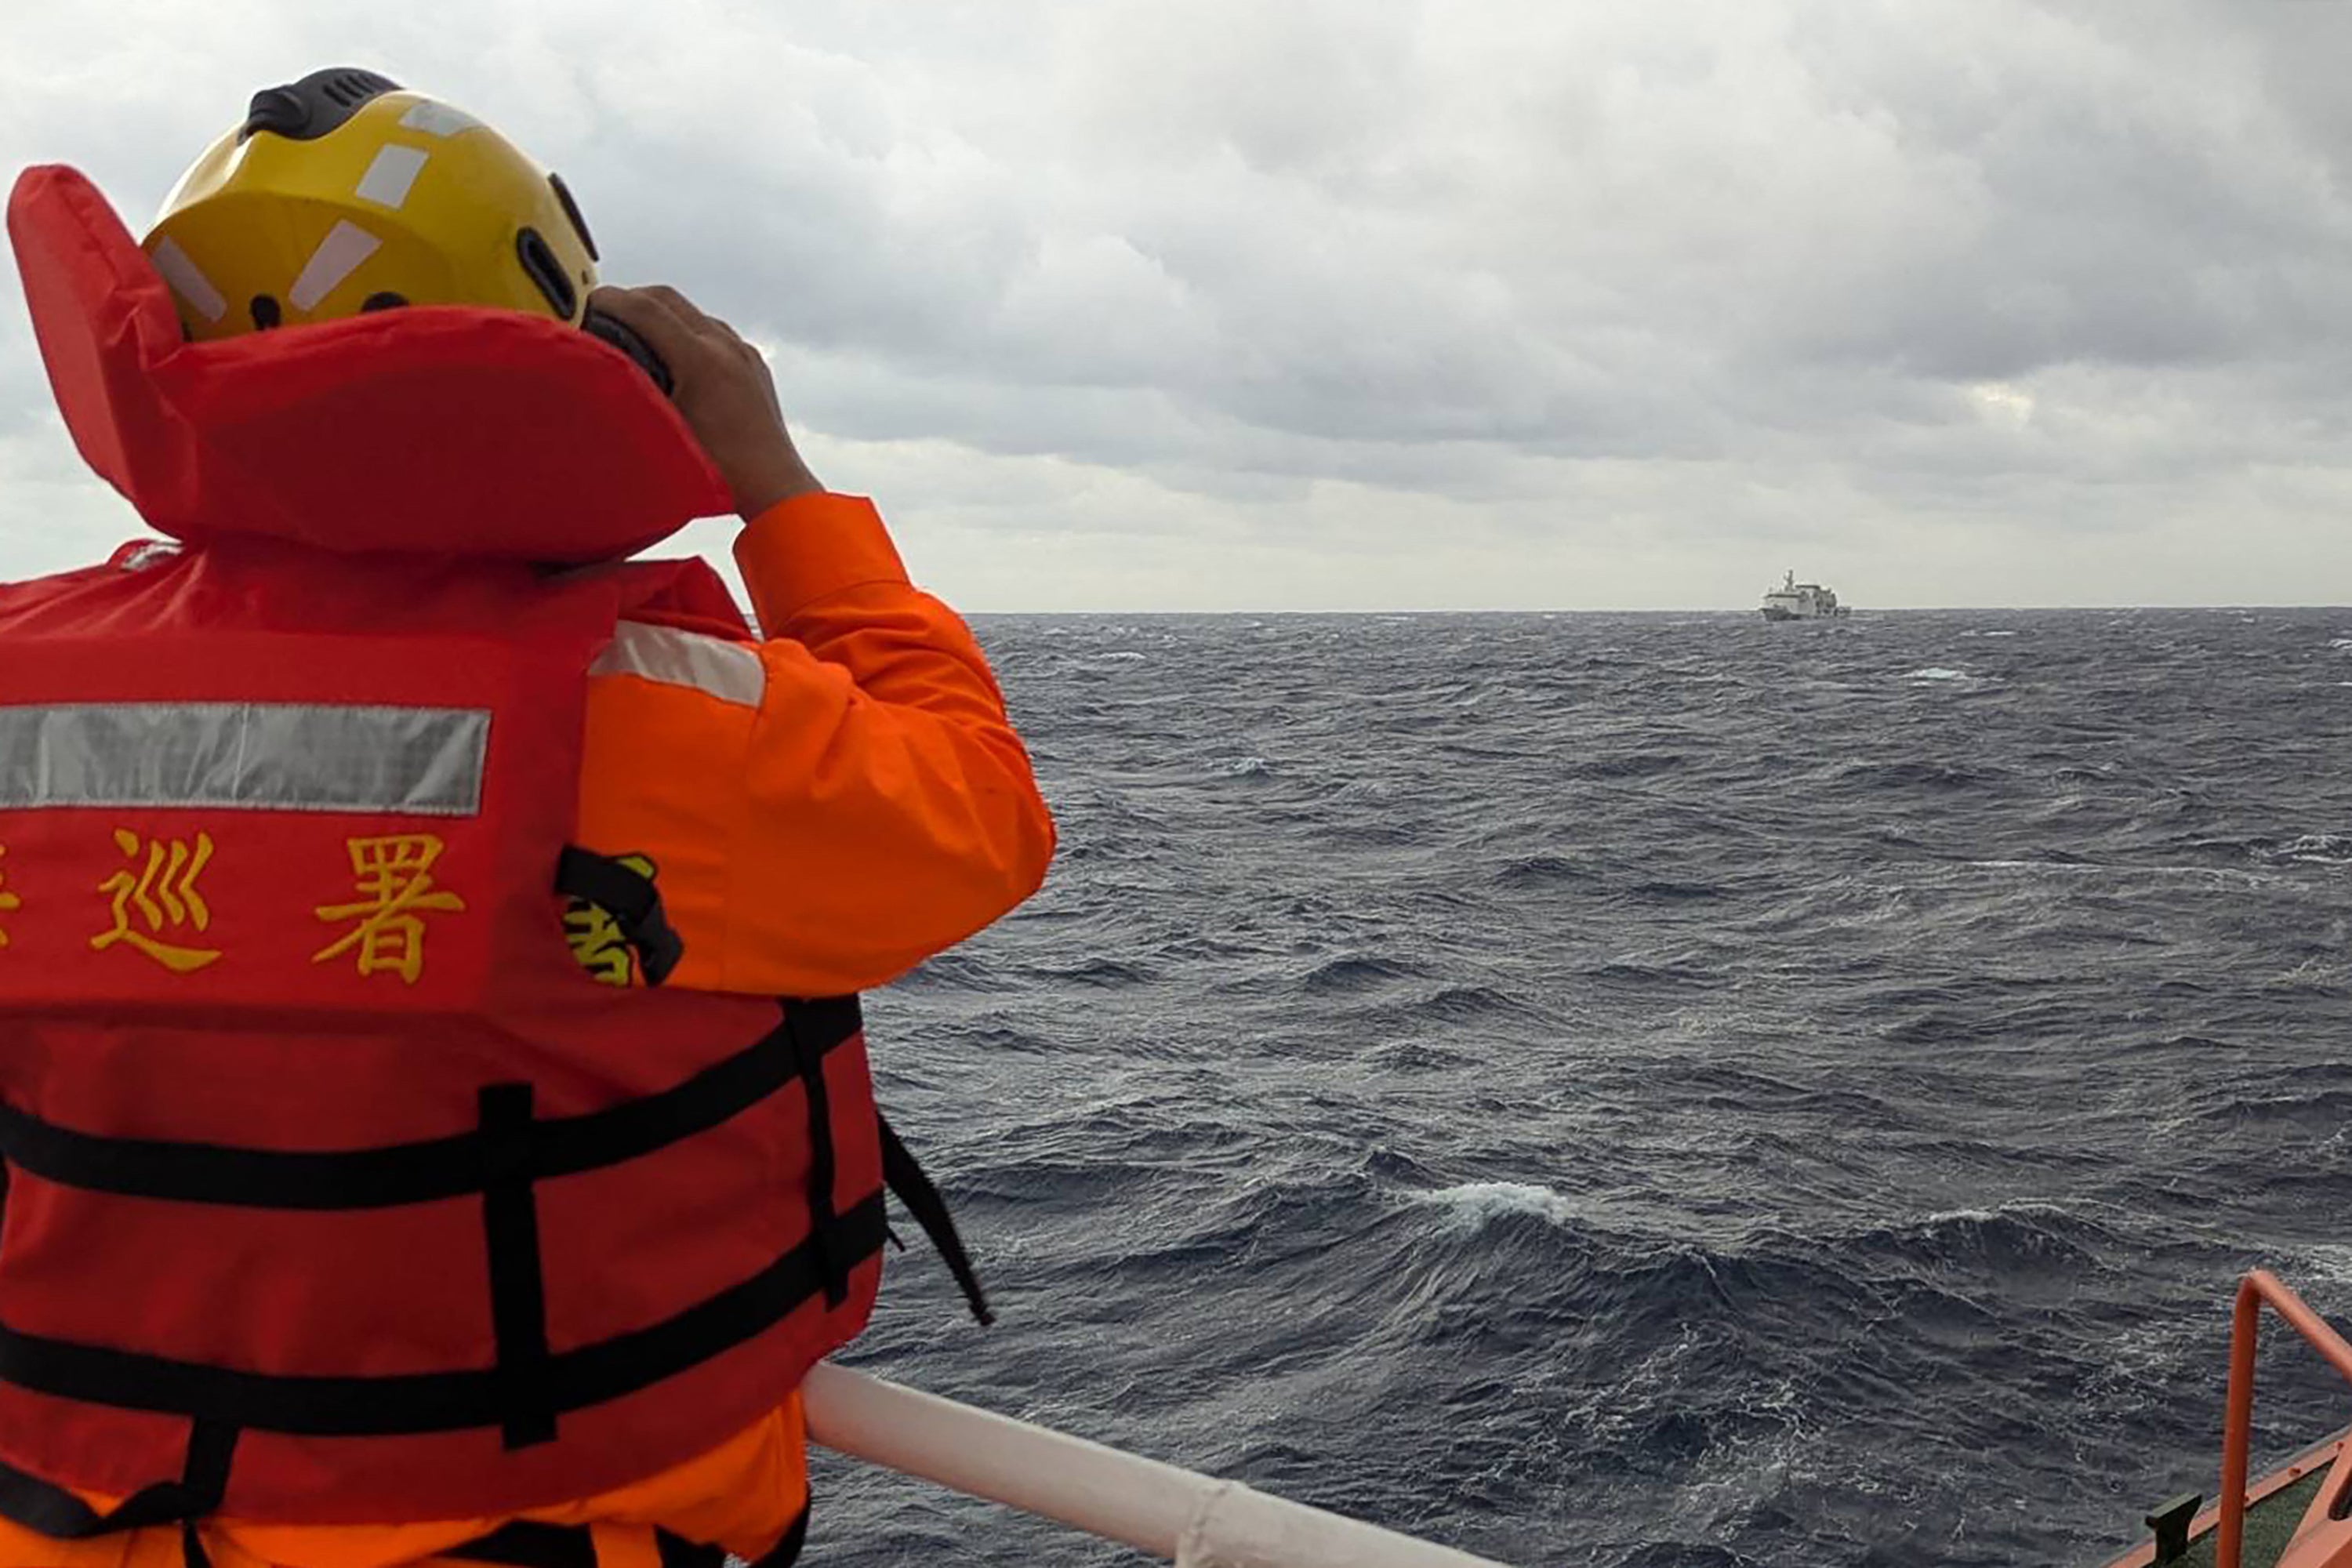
341 192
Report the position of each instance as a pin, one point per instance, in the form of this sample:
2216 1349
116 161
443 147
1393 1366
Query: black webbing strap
61 1515
632 901
526 1543
823 1164
517 1280
407 1404
677 1551
436 1168
904 1177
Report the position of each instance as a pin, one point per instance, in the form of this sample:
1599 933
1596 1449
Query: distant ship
1795 600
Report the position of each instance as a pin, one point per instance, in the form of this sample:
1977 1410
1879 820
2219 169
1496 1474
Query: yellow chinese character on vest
9 901
598 943
396 886
162 895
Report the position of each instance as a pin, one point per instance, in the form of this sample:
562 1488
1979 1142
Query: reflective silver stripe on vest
727 670
254 757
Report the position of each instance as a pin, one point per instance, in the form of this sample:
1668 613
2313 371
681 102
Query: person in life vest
433 1089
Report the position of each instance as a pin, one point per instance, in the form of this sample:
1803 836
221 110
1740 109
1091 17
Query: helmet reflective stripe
338 257
437 119
188 280
395 169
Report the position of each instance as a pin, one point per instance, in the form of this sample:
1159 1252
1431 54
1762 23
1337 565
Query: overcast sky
1312 304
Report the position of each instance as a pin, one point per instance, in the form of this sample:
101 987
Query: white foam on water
2016 1209
2319 849
1936 672
2220 876
2322 1269
2310 842
1476 1203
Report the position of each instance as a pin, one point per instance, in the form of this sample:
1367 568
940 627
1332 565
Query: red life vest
336 1190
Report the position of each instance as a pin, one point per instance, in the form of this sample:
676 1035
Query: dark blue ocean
1645 1090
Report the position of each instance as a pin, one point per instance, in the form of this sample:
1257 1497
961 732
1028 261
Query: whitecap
1125 657
1249 767
1473 1204
2323 1267
2015 1209
2323 848
1936 672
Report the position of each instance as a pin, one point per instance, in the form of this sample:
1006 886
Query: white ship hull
1795 600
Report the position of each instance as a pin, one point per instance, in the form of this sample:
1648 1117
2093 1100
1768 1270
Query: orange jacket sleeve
856 805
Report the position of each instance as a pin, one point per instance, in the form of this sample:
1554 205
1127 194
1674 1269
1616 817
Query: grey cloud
1721 269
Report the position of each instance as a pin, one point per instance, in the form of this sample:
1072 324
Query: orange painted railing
2259 1288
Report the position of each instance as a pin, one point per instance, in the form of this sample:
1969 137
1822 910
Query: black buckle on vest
632 901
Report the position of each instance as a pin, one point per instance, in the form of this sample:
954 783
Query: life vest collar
428 429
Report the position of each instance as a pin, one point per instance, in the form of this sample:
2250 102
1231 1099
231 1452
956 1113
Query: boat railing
2260 1288
1191 1519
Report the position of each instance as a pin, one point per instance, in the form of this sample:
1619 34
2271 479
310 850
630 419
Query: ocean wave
1468 1003
1347 977
1541 870
1422 1056
1910 775
1628 765
1780 1154
2322 849
1095 971
1676 892
1474 1203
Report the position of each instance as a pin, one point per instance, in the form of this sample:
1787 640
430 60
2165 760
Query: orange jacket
825 810
828 808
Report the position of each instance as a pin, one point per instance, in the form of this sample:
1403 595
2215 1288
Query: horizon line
1677 610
